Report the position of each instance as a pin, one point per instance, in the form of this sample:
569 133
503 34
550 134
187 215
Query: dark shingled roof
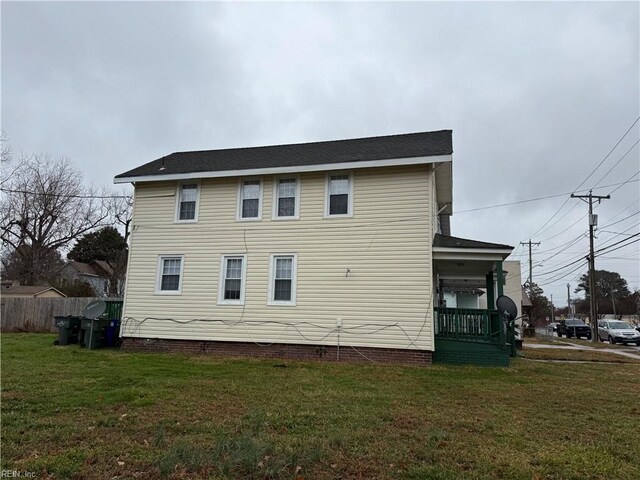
300 154
446 241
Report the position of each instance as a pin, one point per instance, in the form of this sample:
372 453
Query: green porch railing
469 324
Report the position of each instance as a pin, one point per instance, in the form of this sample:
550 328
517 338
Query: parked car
552 327
574 327
617 331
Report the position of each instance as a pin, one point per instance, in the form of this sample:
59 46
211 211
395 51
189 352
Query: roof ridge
317 142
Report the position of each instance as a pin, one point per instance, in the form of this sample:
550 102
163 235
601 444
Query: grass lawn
72 413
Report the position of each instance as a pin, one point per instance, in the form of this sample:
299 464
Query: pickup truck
574 327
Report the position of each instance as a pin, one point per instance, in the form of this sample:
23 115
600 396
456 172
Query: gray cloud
536 94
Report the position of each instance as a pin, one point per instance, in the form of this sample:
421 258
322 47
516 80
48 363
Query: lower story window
169 274
232 279
283 280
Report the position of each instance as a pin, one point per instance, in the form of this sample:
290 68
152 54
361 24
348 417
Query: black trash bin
94 332
68 329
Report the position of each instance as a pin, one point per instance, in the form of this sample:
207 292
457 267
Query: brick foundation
325 353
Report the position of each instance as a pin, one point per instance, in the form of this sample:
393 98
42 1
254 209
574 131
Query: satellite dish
94 309
507 307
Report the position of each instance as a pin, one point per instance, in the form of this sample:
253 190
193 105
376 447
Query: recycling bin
68 329
112 334
94 332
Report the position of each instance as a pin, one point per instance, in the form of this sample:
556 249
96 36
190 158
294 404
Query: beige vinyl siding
384 300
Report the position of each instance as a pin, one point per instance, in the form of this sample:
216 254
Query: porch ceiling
464 262
464 272
466 268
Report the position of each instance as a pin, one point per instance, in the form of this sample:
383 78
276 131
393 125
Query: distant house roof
83 268
104 266
410 145
446 241
97 268
29 290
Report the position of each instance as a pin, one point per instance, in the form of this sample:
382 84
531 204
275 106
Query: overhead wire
66 195
617 163
517 202
588 176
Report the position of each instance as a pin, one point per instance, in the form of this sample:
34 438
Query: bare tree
5 148
121 208
6 160
45 207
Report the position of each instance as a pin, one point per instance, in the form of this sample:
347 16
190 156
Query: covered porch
470 335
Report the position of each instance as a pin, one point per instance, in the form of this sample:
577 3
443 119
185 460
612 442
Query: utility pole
593 222
613 300
568 301
530 243
553 310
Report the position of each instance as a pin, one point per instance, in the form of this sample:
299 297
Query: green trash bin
68 329
93 332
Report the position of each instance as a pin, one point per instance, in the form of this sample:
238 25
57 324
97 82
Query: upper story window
187 207
169 278
233 270
250 200
286 198
339 195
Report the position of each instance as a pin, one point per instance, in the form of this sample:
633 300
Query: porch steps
460 352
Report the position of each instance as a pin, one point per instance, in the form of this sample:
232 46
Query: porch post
499 278
491 301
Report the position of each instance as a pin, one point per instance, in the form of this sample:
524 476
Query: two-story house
339 250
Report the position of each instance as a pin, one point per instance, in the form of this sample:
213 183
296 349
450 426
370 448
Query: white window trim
159 266
326 195
276 181
176 214
221 300
239 217
272 275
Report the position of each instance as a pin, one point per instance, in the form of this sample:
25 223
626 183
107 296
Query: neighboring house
97 273
339 250
38 291
512 287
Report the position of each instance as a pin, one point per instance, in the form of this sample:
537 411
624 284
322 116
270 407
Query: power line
618 162
558 221
609 154
67 195
579 258
617 243
588 176
572 261
629 180
563 275
581 218
562 267
622 220
517 202
622 246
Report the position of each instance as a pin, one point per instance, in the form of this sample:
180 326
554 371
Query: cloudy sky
537 94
